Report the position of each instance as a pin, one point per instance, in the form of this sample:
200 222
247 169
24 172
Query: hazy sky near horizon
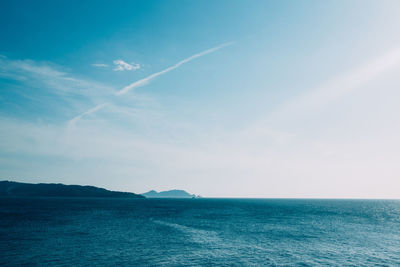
220 98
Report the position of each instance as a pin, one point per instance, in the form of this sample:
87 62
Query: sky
220 98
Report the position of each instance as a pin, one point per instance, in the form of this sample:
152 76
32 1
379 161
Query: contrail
92 110
146 80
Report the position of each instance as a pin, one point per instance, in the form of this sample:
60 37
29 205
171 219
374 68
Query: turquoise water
199 232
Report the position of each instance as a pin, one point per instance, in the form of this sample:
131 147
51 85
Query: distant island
16 189
169 194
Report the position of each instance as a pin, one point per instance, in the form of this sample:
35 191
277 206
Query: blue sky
221 98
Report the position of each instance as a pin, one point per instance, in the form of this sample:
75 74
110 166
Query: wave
195 235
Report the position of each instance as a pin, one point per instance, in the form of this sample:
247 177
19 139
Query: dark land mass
169 194
16 189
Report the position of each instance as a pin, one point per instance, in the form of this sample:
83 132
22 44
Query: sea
198 232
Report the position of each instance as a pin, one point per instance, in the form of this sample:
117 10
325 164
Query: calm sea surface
199 232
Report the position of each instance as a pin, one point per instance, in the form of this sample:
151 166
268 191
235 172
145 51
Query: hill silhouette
16 189
169 194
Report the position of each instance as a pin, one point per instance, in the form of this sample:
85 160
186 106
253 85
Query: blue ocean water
199 232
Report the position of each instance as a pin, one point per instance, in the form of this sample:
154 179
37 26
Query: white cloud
121 65
100 65
263 160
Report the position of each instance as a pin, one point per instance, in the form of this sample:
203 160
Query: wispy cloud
146 80
51 78
100 65
121 65
346 83
49 86
320 99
